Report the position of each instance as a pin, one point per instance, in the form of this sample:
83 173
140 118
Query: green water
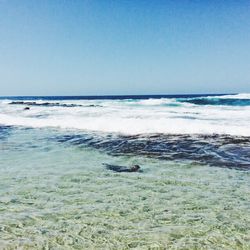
57 196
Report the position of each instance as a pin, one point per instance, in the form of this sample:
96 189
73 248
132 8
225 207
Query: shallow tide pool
60 196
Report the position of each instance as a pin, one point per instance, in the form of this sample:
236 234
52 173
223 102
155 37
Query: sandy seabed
56 196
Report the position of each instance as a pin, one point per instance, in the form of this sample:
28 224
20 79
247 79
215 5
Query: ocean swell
218 101
187 115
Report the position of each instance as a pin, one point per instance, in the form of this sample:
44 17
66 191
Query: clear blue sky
90 47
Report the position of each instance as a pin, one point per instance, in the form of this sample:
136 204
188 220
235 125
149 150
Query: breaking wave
175 115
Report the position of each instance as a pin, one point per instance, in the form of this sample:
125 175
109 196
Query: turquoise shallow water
59 196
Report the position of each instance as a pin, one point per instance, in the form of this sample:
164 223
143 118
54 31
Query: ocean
192 190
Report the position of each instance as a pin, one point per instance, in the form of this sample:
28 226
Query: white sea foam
160 101
235 96
132 117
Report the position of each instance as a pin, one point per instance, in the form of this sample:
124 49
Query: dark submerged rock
214 150
119 169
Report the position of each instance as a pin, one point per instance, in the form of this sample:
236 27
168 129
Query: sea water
193 190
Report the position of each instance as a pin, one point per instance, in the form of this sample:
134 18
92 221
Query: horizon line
120 95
